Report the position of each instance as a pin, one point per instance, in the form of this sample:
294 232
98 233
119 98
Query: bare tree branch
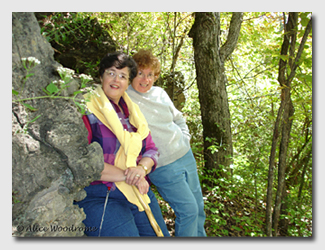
301 48
234 30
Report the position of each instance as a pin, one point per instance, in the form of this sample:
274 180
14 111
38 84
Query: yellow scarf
131 142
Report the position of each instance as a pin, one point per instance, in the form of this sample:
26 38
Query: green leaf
304 21
15 92
35 119
82 108
56 38
51 88
237 228
214 210
29 107
45 91
77 92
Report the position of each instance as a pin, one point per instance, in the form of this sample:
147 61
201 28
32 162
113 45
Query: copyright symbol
20 228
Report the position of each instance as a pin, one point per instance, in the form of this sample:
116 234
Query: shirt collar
122 105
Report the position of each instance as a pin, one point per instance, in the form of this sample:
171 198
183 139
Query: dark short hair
118 60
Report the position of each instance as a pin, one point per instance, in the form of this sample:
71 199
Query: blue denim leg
178 183
142 220
120 218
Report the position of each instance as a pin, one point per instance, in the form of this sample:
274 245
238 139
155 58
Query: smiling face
144 80
115 82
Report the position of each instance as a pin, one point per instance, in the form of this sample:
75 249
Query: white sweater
167 125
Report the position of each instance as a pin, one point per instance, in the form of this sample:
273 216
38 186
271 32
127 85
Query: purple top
98 132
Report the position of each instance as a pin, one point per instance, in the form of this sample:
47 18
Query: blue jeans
118 217
178 183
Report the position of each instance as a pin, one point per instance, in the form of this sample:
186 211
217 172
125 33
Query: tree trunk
287 69
286 129
211 81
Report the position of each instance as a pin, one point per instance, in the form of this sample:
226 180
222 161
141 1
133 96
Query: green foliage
162 32
254 98
71 27
230 207
299 214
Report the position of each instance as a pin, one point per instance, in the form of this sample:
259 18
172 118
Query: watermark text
53 228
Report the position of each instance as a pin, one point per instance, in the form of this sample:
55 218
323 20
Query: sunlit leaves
159 31
254 95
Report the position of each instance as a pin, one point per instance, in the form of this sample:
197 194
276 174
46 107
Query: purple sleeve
151 151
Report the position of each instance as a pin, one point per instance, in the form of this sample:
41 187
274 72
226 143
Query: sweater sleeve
178 118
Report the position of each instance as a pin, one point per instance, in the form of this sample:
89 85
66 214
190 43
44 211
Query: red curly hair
145 59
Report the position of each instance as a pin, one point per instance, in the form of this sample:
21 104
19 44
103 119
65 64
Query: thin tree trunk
286 129
286 110
305 163
271 173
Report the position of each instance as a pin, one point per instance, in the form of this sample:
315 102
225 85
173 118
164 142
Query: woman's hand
134 175
143 186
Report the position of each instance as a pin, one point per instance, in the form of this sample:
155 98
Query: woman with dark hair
115 204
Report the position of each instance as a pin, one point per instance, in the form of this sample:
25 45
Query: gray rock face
51 161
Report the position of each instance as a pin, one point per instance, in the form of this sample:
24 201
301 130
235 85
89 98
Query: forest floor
233 220
236 215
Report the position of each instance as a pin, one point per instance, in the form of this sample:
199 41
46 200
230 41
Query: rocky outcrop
51 159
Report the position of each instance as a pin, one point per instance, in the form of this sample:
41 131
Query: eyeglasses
150 76
112 74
